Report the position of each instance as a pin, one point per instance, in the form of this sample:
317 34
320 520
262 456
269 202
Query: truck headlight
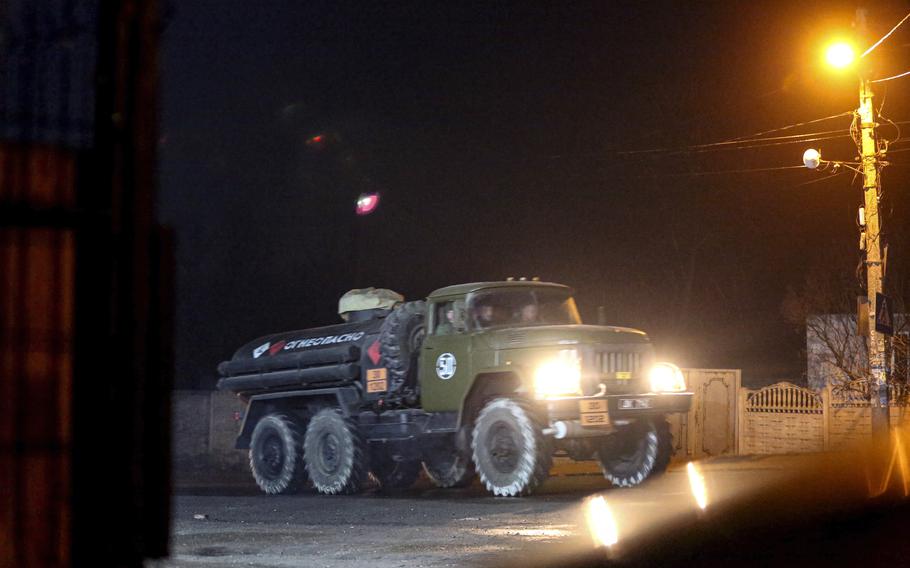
666 377
560 375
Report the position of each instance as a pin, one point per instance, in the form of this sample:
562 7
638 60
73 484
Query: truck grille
619 362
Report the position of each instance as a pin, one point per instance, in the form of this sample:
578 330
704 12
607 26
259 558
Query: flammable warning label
376 374
377 380
381 385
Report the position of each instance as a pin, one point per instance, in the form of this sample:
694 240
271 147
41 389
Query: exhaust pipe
562 429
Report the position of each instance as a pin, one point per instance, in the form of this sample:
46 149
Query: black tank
330 354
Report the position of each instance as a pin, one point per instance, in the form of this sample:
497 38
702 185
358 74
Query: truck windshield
521 307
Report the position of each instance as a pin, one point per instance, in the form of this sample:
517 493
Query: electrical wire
712 147
791 126
821 179
891 78
744 143
884 37
743 171
756 137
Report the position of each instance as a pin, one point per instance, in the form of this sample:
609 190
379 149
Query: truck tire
400 338
276 455
636 453
448 468
335 453
393 474
511 454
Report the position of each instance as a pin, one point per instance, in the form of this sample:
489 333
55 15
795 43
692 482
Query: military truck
488 379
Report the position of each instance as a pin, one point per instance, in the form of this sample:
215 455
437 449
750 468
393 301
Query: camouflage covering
367 299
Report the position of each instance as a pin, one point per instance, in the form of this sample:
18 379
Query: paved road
425 526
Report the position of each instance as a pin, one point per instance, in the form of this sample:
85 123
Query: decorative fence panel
781 418
786 418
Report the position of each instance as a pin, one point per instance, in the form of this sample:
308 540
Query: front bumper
619 407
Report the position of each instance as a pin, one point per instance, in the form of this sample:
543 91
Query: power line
756 137
821 179
744 143
718 172
791 126
891 78
884 37
760 145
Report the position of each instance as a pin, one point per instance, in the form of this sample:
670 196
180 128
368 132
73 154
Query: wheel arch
486 386
300 404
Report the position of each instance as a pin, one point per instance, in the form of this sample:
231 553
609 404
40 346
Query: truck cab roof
465 289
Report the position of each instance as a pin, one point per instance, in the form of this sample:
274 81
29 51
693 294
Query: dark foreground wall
85 287
204 426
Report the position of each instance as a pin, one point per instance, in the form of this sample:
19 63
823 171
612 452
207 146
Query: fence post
826 416
740 420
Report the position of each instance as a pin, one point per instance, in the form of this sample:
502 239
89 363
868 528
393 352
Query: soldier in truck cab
451 319
529 313
484 316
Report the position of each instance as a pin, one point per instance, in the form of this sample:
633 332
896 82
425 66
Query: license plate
595 419
593 412
592 406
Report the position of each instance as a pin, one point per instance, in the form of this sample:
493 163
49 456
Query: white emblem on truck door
445 366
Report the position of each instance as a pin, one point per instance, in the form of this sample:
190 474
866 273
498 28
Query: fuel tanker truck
487 379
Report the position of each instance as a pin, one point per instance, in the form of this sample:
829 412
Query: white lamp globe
811 158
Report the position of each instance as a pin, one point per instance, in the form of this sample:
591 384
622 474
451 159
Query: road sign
884 317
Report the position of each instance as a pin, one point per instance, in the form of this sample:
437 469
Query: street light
840 55
812 158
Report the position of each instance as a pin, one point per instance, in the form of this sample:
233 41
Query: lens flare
697 484
601 522
367 203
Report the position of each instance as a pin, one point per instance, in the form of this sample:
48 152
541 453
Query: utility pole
881 420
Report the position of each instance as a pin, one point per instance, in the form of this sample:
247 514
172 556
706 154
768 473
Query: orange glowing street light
840 55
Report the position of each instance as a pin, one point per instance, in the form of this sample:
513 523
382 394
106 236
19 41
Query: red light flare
316 140
367 203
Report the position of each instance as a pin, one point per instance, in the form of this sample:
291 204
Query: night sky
501 138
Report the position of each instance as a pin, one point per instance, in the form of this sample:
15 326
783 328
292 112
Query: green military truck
488 378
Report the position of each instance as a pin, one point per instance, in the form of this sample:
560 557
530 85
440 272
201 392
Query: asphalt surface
426 526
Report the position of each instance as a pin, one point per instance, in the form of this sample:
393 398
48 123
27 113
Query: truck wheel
636 452
449 468
511 453
276 455
400 338
335 453
393 474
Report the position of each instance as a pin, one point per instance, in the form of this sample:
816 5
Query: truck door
445 358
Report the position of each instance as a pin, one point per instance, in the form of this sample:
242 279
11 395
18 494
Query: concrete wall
204 425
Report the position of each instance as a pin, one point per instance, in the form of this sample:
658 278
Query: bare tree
826 308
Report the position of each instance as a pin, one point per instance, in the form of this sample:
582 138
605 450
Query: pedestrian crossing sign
884 317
